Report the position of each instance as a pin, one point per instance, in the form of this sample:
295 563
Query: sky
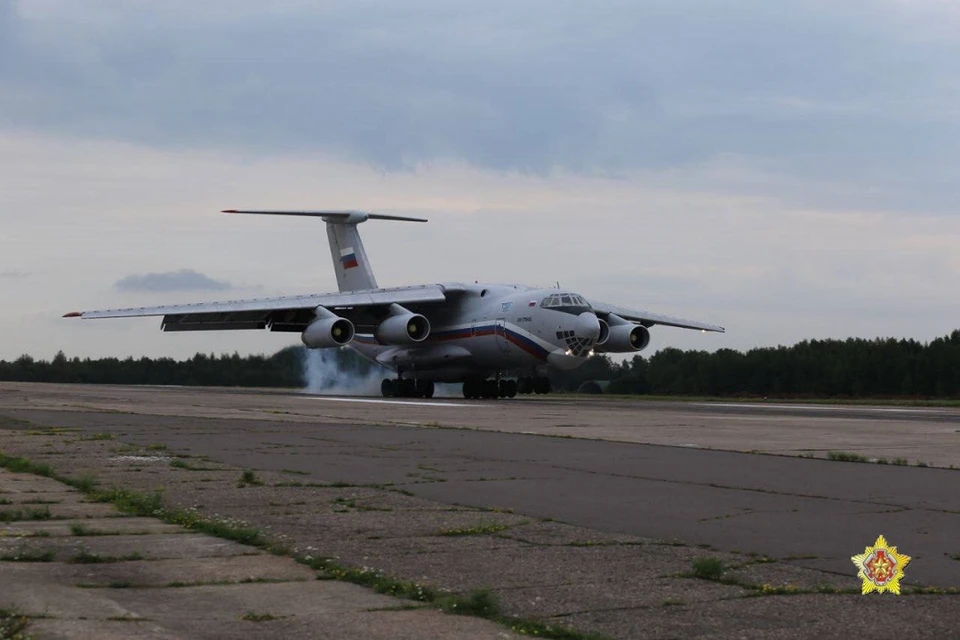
785 169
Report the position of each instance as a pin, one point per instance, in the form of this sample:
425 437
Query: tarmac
585 513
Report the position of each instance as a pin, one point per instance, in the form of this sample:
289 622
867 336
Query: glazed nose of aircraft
588 326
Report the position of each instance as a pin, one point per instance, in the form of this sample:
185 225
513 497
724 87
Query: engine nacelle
403 328
328 332
604 332
625 338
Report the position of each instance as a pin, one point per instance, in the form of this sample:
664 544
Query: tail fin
350 261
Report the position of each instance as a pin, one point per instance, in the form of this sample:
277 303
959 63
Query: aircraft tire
502 389
524 385
541 385
491 389
425 389
387 388
469 389
511 388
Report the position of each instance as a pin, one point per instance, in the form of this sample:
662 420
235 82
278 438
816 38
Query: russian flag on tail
348 258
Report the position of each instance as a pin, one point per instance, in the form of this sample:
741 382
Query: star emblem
880 567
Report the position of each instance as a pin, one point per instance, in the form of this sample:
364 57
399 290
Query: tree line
852 368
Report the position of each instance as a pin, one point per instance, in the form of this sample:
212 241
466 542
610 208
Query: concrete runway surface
658 469
595 507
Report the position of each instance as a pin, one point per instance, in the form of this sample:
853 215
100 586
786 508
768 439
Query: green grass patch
708 568
13 625
85 483
249 479
29 555
22 465
104 435
17 515
481 529
85 557
294 472
846 456
258 617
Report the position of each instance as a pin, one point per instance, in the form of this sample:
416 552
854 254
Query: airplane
497 339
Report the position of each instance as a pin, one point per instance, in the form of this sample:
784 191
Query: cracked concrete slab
601 536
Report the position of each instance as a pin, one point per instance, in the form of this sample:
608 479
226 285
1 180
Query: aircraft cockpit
566 303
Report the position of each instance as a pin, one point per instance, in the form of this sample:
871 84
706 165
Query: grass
25 555
846 456
99 436
16 515
294 472
13 625
22 465
708 568
85 483
258 617
85 557
249 478
477 530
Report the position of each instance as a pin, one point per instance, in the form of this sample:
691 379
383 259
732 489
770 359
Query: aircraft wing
289 313
647 319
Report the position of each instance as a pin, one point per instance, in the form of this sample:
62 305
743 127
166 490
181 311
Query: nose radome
588 326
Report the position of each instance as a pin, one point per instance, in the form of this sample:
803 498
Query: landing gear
538 385
400 388
489 389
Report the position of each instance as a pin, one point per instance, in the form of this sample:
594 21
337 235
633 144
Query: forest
852 368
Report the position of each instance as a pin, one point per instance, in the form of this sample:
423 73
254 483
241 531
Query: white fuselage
490 330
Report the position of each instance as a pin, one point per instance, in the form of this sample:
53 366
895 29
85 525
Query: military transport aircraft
498 340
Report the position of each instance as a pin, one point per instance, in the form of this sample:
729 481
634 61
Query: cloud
860 91
182 280
14 273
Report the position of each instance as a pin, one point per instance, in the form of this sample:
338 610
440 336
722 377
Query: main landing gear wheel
489 389
391 388
538 385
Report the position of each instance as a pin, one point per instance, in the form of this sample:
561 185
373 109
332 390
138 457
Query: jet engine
403 328
328 331
604 332
624 338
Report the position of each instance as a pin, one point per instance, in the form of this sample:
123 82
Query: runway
673 471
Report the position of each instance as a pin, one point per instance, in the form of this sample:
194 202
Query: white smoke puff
448 390
324 376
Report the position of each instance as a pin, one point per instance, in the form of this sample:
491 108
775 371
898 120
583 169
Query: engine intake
604 332
403 328
328 332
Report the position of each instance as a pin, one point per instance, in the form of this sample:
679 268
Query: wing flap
647 318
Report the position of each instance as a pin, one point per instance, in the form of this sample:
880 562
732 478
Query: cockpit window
567 303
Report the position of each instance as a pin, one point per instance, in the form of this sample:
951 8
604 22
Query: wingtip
73 314
229 211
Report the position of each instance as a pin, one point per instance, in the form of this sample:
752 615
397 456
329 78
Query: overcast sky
787 169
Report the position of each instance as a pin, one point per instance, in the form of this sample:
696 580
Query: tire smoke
324 374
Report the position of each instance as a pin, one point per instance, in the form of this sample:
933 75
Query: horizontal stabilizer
346 217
